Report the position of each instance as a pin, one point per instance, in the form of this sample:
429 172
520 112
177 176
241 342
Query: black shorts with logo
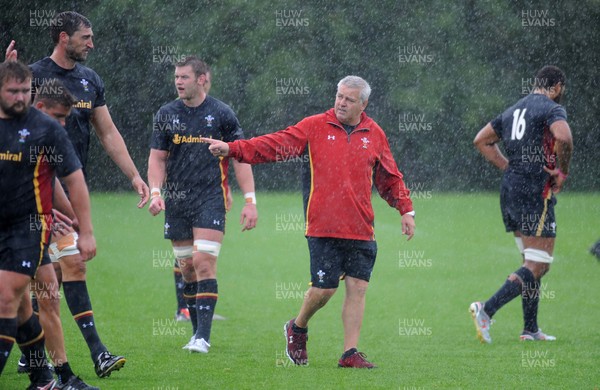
181 218
24 246
334 258
525 210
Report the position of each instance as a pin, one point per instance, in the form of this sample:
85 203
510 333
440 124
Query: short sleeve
558 113
231 129
497 125
160 137
67 161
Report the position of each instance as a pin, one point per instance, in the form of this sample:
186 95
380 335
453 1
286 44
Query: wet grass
416 328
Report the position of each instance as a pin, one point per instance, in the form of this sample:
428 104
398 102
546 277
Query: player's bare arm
486 141
115 147
244 177
157 172
80 200
61 202
564 149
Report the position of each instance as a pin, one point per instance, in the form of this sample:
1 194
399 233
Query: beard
74 55
17 110
557 99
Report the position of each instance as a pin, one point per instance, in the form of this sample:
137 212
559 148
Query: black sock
78 300
297 329
531 299
509 291
206 300
64 372
30 337
179 287
189 293
8 333
349 352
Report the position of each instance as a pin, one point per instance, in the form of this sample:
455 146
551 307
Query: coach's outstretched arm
80 200
115 147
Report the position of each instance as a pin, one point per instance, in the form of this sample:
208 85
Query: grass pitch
417 328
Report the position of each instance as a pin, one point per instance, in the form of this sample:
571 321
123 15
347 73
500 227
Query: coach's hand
11 53
216 147
249 216
142 189
408 226
157 204
86 243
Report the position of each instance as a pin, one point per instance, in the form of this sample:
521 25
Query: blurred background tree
439 71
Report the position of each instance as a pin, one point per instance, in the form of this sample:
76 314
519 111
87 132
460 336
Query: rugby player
53 99
35 147
538 145
348 153
72 36
195 188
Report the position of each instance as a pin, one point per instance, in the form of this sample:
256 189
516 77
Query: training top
524 129
33 148
339 173
191 168
88 89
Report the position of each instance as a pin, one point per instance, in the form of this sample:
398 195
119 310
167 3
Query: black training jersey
524 129
88 89
191 169
32 149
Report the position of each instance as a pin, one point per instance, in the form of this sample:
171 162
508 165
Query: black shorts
181 218
333 258
527 212
24 247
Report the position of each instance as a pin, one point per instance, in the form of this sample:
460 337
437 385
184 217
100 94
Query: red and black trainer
356 360
295 348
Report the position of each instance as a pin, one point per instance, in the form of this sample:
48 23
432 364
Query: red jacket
342 170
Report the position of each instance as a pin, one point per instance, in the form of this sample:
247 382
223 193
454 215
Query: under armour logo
331 137
87 325
215 222
291 340
176 121
203 307
26 264
167 226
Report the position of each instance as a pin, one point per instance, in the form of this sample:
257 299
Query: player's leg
31 340
12 287
358 265
511 205
182 313
183 250
21 251
538 257
45 287
78 300
207 245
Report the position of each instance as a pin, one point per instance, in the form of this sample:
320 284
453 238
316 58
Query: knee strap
211 247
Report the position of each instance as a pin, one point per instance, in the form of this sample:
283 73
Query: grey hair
359 83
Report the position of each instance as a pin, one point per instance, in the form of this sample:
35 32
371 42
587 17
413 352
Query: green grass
417 328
